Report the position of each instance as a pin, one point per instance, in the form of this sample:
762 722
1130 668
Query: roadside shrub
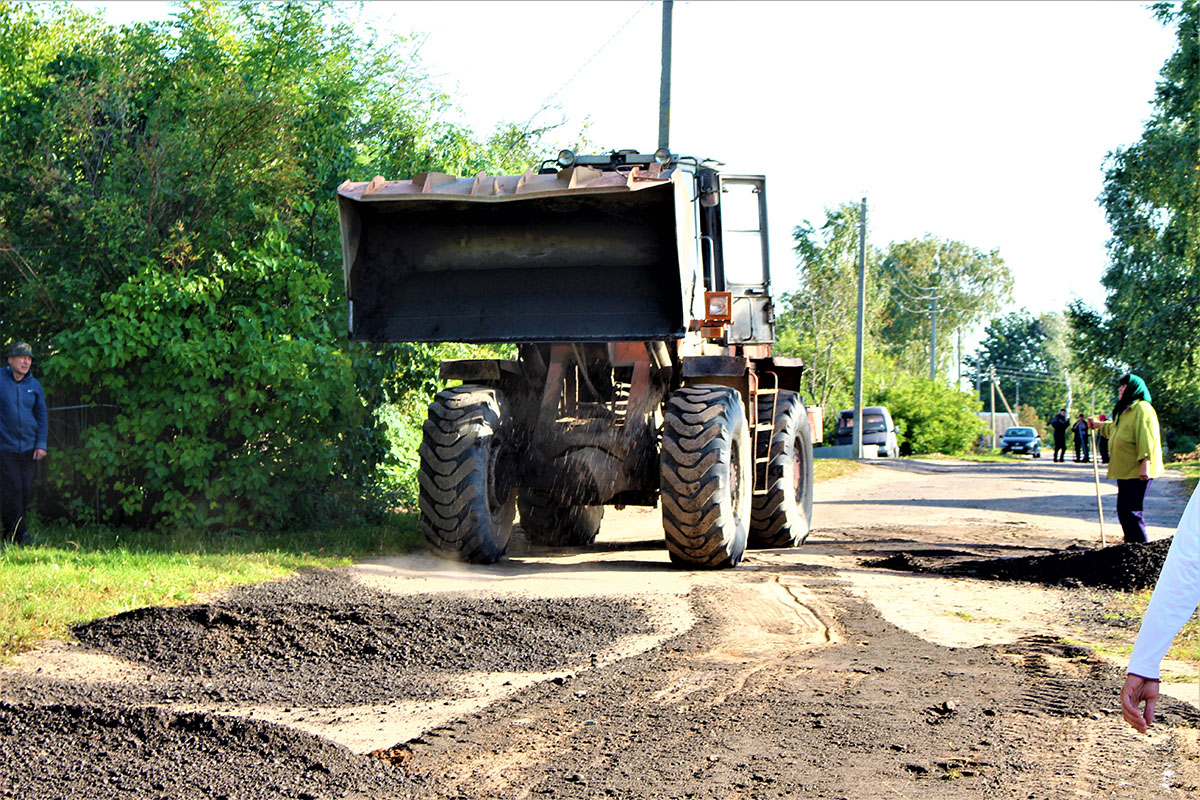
931 416
235 403
1028 416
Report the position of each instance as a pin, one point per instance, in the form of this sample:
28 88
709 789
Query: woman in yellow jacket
1135 452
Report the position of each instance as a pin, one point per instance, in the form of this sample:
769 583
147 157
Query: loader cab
733 233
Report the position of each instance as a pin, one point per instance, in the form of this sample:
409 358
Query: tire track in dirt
1078 735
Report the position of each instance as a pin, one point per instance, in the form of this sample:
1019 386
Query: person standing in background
23 433
1102 443
1135 452
1060 423
1081 440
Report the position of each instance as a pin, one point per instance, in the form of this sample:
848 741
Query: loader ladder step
762 430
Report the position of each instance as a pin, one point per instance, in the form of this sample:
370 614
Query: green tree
969 286
178 159
235 403
1152 201
817 322
1029 356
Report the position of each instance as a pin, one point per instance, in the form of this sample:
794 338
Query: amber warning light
717 307
718 312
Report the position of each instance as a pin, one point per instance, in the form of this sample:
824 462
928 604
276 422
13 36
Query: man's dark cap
20 349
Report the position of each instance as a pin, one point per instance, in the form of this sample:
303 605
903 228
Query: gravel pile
322 640
319 640
79 751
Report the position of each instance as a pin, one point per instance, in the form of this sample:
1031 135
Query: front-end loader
636 290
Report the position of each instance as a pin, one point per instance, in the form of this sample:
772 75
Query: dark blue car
1021 440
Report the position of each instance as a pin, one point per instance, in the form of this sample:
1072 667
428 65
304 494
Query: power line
911 297
546 103
896 273
912 310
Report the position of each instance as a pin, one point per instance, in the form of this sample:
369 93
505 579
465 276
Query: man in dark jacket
22 440
1060 423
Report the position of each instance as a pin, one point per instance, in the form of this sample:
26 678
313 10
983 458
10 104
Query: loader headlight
717 306
566 158
662 156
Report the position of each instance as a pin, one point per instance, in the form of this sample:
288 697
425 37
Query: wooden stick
1096 474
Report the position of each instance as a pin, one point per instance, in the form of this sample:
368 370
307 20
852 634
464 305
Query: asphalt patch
76 751
1125 567
317 640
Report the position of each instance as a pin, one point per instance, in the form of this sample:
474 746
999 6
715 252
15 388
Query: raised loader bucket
581 255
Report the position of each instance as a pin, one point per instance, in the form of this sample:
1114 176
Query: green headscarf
1135 389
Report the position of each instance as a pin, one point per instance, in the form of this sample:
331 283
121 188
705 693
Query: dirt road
606 673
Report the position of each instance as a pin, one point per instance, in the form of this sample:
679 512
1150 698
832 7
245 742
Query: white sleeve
1175 595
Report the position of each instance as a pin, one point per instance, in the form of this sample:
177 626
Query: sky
985 122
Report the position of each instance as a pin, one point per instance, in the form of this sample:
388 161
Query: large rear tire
705 477
466 510
545 522
782 516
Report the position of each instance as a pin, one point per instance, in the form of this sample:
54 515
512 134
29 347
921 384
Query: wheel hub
797 466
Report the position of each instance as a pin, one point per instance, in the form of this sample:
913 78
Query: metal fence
58 471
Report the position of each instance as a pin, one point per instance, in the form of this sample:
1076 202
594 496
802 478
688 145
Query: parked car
1021 440
878 430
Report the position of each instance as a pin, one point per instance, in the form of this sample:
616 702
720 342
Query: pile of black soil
1121 567
73 751
317 640
322 640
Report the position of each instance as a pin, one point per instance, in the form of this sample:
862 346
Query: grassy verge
1190 470
990 457
76 575
1124 615
826 468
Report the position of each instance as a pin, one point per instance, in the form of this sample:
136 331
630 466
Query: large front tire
705 477
545 522
466 510
782 516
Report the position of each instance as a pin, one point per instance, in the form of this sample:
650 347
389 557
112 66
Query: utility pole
856 438
958 381
664 92
993 381
933 339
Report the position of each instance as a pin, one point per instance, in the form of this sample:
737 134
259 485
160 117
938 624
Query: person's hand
38 455
1144 469
1093 423
1138 690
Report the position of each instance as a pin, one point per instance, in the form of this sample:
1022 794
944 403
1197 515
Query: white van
878 430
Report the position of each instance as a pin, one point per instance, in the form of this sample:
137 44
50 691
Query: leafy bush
1028 416
135 159
931 416
235 404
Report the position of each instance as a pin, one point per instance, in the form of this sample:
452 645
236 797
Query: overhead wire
911 297
912 283
546 103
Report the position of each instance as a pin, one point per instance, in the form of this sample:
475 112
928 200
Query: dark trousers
1081 449
1060 447
1131 492
16 477
1102 446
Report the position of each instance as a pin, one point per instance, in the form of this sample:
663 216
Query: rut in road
874 713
